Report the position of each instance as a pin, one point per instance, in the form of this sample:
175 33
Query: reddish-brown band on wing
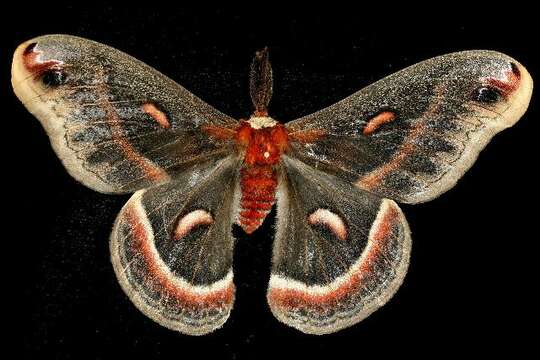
117 125
161 295
33 64
162 279
374 178
148 168
370 282
512 87
412 135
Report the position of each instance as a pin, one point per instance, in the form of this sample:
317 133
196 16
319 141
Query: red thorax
262 141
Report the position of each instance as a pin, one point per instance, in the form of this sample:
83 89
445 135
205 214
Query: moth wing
172 248
413 134
339 254
117 124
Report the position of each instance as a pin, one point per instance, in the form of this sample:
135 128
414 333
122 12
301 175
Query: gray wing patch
413 134
172 248
117 124
339 254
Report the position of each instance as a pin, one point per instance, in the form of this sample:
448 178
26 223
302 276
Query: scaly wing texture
172 248
413 134
117 124
339 254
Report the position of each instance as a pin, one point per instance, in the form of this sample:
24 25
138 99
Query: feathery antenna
260 82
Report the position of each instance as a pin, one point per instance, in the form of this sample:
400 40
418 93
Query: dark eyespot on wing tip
53 78
487 94
515 69
29 48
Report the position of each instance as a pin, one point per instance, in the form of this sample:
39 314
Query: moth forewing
413 134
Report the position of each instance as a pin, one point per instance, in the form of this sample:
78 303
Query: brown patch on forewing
307 136
161 281
153 172
377 121
374 178
33 63
289 298
157 115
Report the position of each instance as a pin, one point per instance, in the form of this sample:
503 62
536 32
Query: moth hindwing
342 244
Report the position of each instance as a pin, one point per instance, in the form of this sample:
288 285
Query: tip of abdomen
258 196
252 217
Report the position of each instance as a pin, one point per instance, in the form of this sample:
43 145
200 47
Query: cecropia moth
342 244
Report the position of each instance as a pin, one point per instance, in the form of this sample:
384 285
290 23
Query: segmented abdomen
258 185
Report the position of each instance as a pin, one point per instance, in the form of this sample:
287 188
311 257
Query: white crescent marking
190 221
178 282
330 220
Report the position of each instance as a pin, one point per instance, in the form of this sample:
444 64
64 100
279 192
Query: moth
342 244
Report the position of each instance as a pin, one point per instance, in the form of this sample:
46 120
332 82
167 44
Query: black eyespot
515 69
30 48
487 95
53 78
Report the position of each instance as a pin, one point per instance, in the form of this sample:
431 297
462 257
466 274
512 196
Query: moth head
492 84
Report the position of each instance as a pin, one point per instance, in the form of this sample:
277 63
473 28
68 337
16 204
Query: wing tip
27 92
521 97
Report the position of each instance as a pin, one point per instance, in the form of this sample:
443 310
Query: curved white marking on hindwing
214 301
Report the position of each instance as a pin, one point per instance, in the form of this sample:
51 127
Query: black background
468 290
